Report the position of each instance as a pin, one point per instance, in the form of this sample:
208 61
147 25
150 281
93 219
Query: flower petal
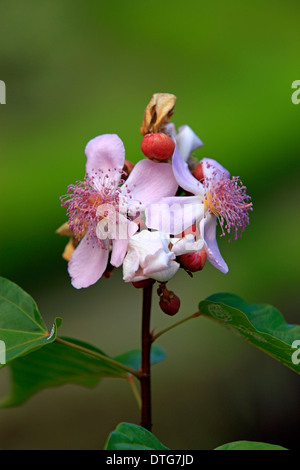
149 257
157 261
150 181
165 274
187 244
213 169
208 227
105 155
126 229
187 141
88 263
119 250
131 271
174 214
183 176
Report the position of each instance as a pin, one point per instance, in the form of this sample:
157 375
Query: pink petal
150 181
183 176
87 264
125 229
118 252
209 166
208 227
107 154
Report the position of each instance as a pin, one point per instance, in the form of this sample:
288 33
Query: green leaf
133 358
58 364
260 324
22 328
38 360
249 445
129 436
54 365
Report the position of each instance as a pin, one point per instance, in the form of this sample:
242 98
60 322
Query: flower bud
158 146
169 302
127 168
109 271
198 172
193 261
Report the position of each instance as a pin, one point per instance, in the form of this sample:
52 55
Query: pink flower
102 208
218 198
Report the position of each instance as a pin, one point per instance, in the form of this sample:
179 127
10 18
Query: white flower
149 256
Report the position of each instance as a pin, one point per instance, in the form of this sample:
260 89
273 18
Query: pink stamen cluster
227 199
85 197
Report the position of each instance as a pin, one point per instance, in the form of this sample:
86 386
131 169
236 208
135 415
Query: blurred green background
77 69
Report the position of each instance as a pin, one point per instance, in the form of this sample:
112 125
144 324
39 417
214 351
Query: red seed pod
193 261
198 172
170 305
169 302
158 146
143 283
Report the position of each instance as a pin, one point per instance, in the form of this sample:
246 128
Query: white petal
208 227
131 265
166 274
183 176
149 256
187 141
187 244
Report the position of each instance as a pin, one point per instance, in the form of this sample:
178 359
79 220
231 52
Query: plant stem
145 379
195 315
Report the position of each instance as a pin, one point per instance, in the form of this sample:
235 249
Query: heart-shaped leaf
67 361
249 445
22 329
54 365
128 436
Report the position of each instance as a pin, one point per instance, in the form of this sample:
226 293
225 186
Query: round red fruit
198 172
193 262
158 146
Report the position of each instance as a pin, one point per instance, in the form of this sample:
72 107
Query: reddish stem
146 412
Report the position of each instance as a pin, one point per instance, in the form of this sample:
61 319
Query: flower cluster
156 216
